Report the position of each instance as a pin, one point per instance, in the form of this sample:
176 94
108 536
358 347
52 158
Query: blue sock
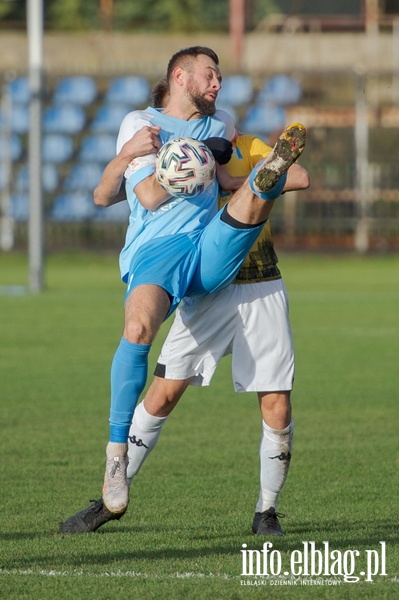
128 378
274 192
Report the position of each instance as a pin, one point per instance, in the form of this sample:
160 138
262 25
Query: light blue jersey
176 215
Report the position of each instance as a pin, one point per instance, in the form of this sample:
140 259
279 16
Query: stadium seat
109 117
98 148
50 178
11 147
64 118
18 89
264 119
280 89
237 90
83 176
117 213
132 90
77 206
57 148
16 119
20 207
20 119
77 89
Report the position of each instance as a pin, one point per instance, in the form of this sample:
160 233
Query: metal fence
352 155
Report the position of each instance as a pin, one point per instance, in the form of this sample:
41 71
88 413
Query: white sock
116 449
143 436
275 457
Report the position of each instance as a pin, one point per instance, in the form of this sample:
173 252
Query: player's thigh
223 249
168 262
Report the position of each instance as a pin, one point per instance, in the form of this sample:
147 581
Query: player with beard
173 247
233 320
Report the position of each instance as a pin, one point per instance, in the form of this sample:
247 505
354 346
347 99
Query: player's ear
178 76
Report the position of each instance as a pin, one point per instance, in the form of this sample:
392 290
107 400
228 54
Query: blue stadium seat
264 119
57 148
98 148
77 89
77 206
64 118
18 89
20 119
20 207
83 176
117 213
237 90
11 147
280 89
133 90
16 119
50 178
109 117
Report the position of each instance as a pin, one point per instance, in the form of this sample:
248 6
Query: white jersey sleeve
131 124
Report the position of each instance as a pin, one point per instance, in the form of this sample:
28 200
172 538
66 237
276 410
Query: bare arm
227 181
297 179
150 194
111 188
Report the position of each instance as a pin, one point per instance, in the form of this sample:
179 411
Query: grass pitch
193 502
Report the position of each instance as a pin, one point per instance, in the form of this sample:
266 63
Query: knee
276 409
137 332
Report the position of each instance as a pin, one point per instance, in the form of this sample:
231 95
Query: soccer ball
185 167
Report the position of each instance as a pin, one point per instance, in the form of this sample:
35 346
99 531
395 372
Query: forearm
297 179
111 188
227 181
150 194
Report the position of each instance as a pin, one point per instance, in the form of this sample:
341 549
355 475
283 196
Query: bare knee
145 310
275 408
137 331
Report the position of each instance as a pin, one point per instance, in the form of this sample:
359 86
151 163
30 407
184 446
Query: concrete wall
148 54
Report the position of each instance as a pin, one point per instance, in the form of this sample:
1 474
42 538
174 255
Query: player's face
204 82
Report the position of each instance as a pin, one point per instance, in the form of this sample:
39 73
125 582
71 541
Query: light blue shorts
169 262
192 264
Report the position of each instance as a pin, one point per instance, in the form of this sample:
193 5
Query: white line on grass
127 574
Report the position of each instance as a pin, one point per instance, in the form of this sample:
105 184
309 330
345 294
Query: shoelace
115 467
97 506
276 515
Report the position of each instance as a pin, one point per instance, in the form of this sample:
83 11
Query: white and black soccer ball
185 167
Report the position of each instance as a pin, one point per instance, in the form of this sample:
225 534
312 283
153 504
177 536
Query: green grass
192 504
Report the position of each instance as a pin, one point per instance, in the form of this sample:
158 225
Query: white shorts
249 321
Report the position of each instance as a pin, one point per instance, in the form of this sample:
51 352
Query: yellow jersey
261 262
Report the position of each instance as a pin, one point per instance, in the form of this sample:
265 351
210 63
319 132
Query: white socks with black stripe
275 457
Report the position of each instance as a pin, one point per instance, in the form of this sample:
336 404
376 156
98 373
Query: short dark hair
181 57
159 93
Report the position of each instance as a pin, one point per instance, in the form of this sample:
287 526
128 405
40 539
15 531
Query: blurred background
70 70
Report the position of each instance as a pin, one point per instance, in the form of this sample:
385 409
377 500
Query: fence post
36 225
362 183
6 219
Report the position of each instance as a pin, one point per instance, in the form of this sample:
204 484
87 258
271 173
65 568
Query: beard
205 107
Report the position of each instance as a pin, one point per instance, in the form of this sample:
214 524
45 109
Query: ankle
115 449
